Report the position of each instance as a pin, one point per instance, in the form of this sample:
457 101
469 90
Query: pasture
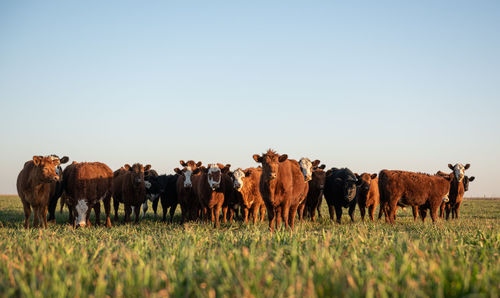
154 259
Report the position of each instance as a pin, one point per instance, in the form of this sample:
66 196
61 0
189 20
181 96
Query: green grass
446 259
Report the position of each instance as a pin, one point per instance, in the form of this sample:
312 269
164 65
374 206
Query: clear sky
411 85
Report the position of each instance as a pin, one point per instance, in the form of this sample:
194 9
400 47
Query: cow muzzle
272 176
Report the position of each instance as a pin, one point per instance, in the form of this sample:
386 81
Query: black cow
58 190
162 187
340 191
466 181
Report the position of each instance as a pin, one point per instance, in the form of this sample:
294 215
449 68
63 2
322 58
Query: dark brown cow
368 194
315 192
282 187
306 166
214 191
85 185
246 185
129 189
411 189
458 186
187 199
36 184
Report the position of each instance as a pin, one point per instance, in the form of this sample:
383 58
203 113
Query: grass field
447 259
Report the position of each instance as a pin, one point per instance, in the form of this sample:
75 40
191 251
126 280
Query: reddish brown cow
411 189
85 185
36 184
315 192
246 185
368 194
187 199
457 190
129 189
214 191
282 187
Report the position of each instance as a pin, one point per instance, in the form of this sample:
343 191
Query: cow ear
147 167
220 166
283 157
374 176
322 167
329 172
65 159
257 158
127 167
450 166
471 178
467 166
225 169
316 163
178 171
37 159
182 163
357 175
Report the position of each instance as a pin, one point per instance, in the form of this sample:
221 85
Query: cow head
318 178
466 181
137 173
306 166
270 163
348 186
63 160
189 169
364 182
214 174
459 170
47 167
238 176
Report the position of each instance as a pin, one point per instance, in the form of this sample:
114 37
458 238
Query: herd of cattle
282 187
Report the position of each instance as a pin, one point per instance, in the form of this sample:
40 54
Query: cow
163 188
418 190
458 186
368 194
282 187
340 192
315 192
214 191
129 188
306 166
36 184
185 195
150 196
85 185
246 185
57 193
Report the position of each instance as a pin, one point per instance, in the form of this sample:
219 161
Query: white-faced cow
189 204
246 185
306 166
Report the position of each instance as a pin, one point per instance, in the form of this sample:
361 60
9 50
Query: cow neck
33 180
456 188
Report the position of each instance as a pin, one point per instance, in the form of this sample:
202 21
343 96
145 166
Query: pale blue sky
364 84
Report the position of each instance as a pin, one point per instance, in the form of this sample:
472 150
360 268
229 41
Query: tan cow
246 185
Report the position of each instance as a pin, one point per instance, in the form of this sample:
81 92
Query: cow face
46 168
238 179
270 163
307 166
466 181
318 178
137 173
189 169
348 187
81 208
364 182
459 170
214 175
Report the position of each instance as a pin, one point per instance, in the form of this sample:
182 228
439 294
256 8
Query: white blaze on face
306 167
187 177
81 210
213 170
459 171
238 179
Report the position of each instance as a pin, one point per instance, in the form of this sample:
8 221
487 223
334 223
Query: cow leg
362 212
301 211
217 213
62 205
172 212
423 214
330 210
457 209
312 213
27 214
338 212
52 209
137 211
116 204
224 214
155 206
245 212
293 211
441 210
434 211
107 210
352 207
392 207
255 213
271 217
43 212
371 212
128 211
448 209
278 214
144 208
262 212
97 212
286 216
414 210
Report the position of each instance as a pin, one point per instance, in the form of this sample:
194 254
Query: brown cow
129 189
187 199
36 184
315 192
214 191
246 185
457 190
368 194
85 185
411 189
282 187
